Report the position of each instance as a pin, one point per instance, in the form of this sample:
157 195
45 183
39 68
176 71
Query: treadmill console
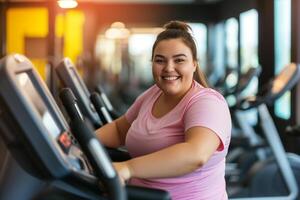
33 127
39 139
71 79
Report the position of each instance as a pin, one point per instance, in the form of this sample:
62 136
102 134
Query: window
249 39
231 31
282 51
249 53
141 55
231 45
200 35
219 48
249 46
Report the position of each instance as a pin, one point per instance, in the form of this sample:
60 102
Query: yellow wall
73 34
26 22
33 22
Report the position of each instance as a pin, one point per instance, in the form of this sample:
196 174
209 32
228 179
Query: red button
65 140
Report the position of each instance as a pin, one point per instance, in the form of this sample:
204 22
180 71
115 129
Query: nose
169 66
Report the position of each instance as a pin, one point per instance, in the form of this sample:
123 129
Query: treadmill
69 77
93 104
43 159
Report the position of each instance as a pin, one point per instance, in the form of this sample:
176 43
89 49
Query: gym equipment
242 148
264 180
94 106
43 158
71 79
243 82
91 145
114 114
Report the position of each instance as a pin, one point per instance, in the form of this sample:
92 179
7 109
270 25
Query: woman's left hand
123 171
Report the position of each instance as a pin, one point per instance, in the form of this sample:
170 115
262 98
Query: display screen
80 85
37 102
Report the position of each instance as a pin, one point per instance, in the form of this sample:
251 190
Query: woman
178 131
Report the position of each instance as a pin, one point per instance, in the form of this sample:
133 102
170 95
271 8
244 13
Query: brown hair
178 29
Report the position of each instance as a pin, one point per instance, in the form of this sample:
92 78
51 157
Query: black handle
98 158
101 92
100 108
91 146
70 103
114 114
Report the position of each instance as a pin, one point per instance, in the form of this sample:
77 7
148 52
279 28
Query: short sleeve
133 111
210 111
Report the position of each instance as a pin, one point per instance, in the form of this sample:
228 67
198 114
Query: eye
158 60
179 60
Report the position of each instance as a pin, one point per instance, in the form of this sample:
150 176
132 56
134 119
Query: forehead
172 47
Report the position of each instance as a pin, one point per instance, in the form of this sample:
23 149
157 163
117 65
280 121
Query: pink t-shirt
199 107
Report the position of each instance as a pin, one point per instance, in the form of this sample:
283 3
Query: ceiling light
117 31
67 3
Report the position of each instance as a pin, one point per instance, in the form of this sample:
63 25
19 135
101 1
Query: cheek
188 72
155 71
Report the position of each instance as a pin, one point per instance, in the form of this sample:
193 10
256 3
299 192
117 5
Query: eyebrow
177 55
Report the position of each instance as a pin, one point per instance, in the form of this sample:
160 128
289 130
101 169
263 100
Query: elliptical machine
272 179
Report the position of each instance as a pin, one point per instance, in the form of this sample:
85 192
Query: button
65 141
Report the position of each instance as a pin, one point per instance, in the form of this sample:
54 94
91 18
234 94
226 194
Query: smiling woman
178 131
173 67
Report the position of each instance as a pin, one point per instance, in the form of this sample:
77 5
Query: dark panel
233 8
295 57
51 28
54 49
266 39
3 29
152 14
295 29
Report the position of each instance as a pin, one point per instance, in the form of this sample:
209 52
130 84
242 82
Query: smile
170 78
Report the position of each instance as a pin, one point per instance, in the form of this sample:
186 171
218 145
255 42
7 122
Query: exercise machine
44 158
273 178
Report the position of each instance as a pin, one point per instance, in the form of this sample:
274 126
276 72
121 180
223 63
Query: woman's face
173 67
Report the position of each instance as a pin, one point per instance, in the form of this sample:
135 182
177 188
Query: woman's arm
113 134
179 159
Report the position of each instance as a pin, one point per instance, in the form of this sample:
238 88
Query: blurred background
110 42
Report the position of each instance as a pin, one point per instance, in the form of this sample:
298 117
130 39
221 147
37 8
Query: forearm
173 161
113 134
176 160
108 135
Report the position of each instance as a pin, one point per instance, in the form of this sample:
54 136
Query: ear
195 65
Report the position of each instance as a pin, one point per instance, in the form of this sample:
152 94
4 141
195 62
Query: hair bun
179 25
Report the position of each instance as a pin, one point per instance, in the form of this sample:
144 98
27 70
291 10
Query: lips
170 78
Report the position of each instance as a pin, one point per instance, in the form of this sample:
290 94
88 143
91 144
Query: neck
176 97
171 99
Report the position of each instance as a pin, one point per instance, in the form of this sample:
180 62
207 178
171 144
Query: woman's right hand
123 171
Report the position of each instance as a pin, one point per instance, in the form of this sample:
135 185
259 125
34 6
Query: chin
171 92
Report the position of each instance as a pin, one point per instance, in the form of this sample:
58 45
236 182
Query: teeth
170 78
